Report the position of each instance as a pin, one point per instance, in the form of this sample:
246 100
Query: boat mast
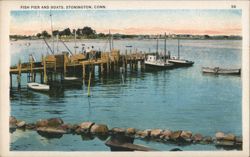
110 44
165 47
178 48
157 43
112 41
67 47
48 45
75 41
57 38
53 46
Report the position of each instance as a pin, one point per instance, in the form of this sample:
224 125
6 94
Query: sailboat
180 62
158 62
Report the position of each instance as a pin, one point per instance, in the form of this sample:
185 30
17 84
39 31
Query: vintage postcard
119 78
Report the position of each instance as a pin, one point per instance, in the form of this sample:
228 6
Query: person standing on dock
83 49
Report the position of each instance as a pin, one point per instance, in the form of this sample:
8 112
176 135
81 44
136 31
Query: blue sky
131 21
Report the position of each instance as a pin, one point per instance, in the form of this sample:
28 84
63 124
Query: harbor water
177 99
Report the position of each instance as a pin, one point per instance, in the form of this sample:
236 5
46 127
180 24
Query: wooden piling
93 69
102 68
64 66
41 77
34 78
83 72
19 73
31 70
109 62
89 83
45 79
108 67
10 80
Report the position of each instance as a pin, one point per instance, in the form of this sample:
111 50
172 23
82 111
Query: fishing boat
180 62
217 70
158 62
38 87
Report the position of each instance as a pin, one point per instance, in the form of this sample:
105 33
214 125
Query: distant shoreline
126 37
71 39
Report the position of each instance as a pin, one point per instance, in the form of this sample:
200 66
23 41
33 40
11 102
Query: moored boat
71 78
38 86
217 70
180 62
152 62
158 62
72 81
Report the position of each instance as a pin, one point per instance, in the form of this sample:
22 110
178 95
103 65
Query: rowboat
38 87
217 70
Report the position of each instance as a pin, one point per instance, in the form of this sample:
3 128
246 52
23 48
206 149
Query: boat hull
158 67
181 63
221 71
72 82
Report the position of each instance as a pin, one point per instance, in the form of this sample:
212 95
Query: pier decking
76 65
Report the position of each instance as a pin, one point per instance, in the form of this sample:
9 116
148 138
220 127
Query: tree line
86 32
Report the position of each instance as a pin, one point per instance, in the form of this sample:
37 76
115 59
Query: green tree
38 35
79 32
55 32
45 34
101 35
67 32
88 31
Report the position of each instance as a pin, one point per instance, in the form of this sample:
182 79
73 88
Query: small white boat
38 86
218 70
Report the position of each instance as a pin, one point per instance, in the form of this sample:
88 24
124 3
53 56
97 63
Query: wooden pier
77 65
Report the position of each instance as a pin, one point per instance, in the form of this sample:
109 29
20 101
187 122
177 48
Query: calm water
182 98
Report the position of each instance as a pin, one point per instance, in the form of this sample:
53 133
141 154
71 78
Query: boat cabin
151 58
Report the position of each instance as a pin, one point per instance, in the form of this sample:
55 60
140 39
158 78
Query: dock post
31 69
93 69
143 62
126 61
45 79
102 68
34 77
19 74
83 72
41 77
64 66
10 80
107 66
136 65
